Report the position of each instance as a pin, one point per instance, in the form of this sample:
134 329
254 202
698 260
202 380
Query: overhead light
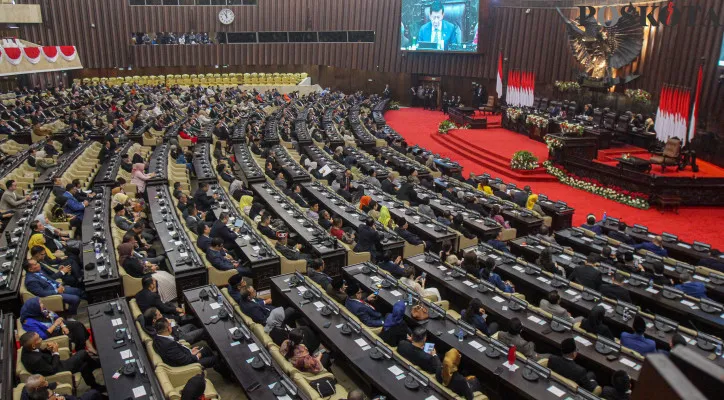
13 26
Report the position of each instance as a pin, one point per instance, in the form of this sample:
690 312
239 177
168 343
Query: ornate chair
670 156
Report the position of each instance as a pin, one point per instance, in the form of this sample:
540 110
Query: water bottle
717 350
409 299
461 334
219 299
604 216
97 249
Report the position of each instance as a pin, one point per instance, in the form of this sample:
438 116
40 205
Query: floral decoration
617 194
571 129
393 105
524 160
445 126
552 142
567 86
638 96
514 113
541 122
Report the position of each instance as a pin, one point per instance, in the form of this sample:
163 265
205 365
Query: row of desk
322 158
271 129
300 127
330 126
293 172
108 170
64 161
316 240
250 170
402 164
102 280
366 140
365 164
202 163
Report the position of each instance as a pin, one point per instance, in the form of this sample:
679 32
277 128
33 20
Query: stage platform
706 170
490 150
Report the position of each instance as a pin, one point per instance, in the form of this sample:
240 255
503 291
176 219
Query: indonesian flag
13 54
50 53
499 82
695 108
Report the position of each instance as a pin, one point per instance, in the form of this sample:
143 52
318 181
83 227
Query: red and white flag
695 108
499 82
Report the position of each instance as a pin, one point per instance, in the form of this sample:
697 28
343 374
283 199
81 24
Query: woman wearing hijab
448 375
485 187
594 323
36 318
119 198
395 329
245 204
385 218
139 178
138 267
364 201
532 204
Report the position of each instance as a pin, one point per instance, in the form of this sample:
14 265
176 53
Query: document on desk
442 268
360 342
253 347
572 292
556 391
652 290
116 322
518 268
498 299
477 346
565 257
630 363
319 304
215 306
396 370
139 391
126 354
543 279
396 293
582 341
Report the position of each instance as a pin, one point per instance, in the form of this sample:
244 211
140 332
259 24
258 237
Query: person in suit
413 351
553 306
636 340
41 283
47 362
257 309
655 246
368 239
520 197
204 240
591 225
290 252
566 365
174 353
402 230
474 314
73 206
187 332
387 186
692 288
512 337
620 388
220 230
658 277
297 197
391 265
194 217
264 228
438 30
588 275
594 323
615 289
498 243
148 297
222 261
201 198
362 308
315 272
620 234
38 388
11 200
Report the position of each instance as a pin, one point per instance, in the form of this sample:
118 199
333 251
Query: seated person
174 353
413 351
497 215
194 217
290 252
447 255
445 218
658 276
418 284
315 272
11 200
588 275
512 337
615 289
264 227
620 388
594 323
187 332
201 198
296 195
67 270
126 164
257 309
204 240
546 262
361 308
313 212
553 306
220 230
47 361
40 283
394 328
221 260
36 318
338 289
448 375
655 246
72 205
636 340
591 225
691 287
38 388
325 220
121 220
393 267
487 273
148 297
368 238
565 365
411 238
296 352
498 243
620 234
475 315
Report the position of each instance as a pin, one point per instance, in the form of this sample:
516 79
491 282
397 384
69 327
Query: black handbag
325 387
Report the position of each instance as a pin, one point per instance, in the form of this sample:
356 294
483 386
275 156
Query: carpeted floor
419 127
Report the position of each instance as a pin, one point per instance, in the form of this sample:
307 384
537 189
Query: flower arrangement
536 120
638 96
571 129
625 156
445 126
552 142
393 105
514 113
524 160
632 199
567 86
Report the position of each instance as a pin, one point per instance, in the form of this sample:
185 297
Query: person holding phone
418 284
395 329
413 349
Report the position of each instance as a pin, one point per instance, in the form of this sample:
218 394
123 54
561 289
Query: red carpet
420 127
706 170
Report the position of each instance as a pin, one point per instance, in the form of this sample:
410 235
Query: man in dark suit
174 353
290 252
258 310
204 240
591 224
148 297
407 235
449 193
202 199
368 239
297 197
47 362
264 228
615 290
414 351
360 308
438 30
387 186
194 217
187 332
566 366
588 275
520 197
38 388
220 230
41 284
222 261
621 235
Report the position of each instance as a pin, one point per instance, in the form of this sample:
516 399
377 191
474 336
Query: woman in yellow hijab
532 204
449 376
246 201
484 187
385 218
37 239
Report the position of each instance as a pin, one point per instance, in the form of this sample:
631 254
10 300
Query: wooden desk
103 281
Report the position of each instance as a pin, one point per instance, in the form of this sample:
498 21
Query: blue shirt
638 343
593 228
693 289
496 280
659 251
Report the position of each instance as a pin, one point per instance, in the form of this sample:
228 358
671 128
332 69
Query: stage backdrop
532 41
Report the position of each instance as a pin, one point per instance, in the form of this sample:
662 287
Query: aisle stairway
491 162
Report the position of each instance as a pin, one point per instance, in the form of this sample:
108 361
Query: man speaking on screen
438 30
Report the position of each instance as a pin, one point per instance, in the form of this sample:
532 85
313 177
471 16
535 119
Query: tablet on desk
238 223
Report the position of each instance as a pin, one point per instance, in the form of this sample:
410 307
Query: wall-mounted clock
226 16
